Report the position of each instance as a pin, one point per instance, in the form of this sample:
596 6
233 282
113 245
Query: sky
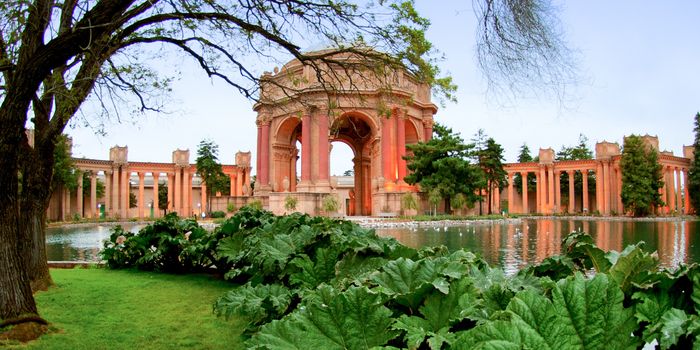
639 62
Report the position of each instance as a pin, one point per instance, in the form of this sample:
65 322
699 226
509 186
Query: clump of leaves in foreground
431 298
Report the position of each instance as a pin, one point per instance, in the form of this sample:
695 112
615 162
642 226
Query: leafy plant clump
311 282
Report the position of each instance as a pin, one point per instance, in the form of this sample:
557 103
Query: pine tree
491 162
441 166
524 157
694 173
641 177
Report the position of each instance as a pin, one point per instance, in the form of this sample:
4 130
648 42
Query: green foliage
210 170
524 157
312 282
99 186
330 204
230 207
441 166
217 214
490 160
409 202
641 177
290 203
163 196
694 172
256 204
64 171
132 200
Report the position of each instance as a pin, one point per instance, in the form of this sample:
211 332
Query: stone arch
285 153
358 130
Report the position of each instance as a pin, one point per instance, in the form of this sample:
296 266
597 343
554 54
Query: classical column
177 193
496 199
186 187
401 145
427 130
232 185
572 192
664 190
323 150
557 191
66 204
551 196
156 209
584 189
115 192
386 150
538 189
203 198
265 165
671 189
606 188
125 193
686 193
510 193
108 192
171 191
523 176
678 190
599 187
306 149
618 195
93 212
79 194
141 188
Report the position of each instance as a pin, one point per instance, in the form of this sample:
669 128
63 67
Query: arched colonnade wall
375 122
604 170
187 194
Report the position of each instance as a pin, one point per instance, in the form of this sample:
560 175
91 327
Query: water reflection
79 243
513 246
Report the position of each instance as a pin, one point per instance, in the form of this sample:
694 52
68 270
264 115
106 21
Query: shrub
217 214
408 201
290 203
330 204
230 207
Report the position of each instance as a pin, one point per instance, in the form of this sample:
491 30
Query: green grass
117 309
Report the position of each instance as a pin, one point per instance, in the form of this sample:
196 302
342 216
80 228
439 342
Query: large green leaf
582 314
439 313
409 281
308 273
354 319
257 304
634 268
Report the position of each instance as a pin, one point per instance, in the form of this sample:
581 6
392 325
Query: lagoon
510 245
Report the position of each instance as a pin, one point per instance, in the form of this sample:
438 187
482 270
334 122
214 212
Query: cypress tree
694 173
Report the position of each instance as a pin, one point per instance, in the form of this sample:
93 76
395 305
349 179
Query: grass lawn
116 309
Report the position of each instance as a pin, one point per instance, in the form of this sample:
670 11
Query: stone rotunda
301 112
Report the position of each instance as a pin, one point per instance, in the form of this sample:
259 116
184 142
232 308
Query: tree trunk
34 222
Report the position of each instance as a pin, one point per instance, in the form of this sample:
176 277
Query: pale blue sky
640 62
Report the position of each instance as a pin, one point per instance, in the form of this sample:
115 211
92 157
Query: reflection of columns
584 189
79 194
572 192
510 192
306 148
686 193
678 190
523 177
386 150
156 208
108 192
93 196
401 145
141 188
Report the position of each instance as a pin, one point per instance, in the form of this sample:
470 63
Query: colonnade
605 171
121 178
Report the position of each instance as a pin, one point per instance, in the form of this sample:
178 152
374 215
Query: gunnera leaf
354 319
581 314
257 304
409 281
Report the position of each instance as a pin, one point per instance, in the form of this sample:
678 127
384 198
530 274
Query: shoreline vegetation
311 282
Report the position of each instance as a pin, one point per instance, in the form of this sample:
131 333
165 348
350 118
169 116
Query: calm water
514 245
509 245
80 243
